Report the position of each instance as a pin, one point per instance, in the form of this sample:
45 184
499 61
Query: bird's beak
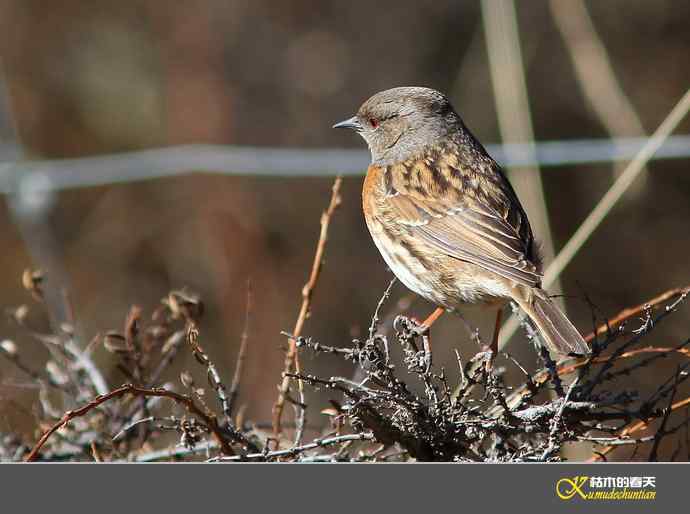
352 123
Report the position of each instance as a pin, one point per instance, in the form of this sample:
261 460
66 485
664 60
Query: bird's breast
436 276
405 256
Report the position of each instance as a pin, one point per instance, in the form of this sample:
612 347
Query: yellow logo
607 488
566 488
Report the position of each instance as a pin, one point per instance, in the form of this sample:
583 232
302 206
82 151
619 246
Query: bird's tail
555 328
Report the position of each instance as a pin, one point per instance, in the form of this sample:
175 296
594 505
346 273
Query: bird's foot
410 326
486 357
410 330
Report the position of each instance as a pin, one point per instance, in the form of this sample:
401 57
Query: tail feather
556 330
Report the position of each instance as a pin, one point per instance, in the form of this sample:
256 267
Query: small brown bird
444 216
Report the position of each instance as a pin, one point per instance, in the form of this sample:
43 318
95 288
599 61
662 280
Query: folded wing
478 220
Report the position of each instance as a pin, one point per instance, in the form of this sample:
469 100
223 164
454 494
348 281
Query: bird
445 218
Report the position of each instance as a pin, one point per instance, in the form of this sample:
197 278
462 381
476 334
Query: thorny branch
488 420
382 417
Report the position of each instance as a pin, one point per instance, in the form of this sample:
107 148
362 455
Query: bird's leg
432 318
423 331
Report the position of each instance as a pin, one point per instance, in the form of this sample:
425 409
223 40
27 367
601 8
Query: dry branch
209 420
630 312
384 416
291 357
241 354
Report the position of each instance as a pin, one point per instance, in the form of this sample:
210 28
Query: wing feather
481 222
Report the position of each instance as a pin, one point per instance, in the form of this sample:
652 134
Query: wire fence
32 185
172 161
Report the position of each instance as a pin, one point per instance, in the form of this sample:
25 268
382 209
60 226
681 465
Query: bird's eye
373 122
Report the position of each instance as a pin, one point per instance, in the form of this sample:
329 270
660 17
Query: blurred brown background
97 77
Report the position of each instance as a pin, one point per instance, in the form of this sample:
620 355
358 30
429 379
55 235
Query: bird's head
402 122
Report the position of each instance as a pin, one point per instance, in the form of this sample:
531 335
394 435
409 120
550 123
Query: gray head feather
402 122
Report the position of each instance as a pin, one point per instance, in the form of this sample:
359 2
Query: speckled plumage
444 216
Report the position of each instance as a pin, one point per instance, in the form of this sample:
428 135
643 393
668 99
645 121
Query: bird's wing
472 216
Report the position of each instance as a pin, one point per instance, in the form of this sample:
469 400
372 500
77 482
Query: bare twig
630 312
377 312
171 346
662 429
84 361
679 294
131 425
132 340
556 423
10 352
291 356
212 373
241 354
296 450
635 427
209 420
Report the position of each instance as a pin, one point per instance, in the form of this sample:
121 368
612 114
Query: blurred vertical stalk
596 77
31 205
514 118
607 203
512 107
8 128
